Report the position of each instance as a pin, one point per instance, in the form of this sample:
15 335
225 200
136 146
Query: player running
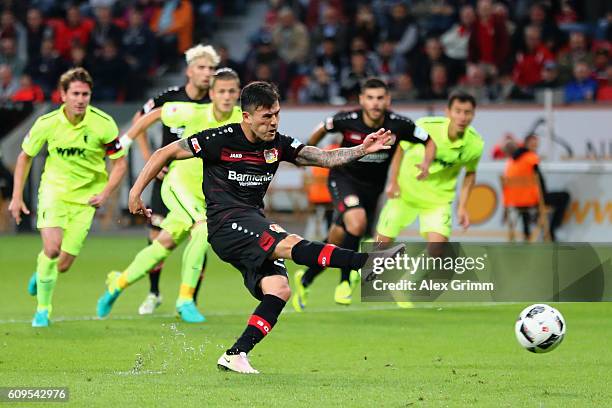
458 146
201 63
74 182
356 187
182 194
239 162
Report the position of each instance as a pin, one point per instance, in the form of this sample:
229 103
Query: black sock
326 255
260 323
197 288
350 242
312 272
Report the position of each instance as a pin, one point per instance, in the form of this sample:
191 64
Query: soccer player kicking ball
356 187
239 162
74 182
201 62
182 194
458 146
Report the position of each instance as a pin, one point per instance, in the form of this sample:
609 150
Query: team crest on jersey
195 144
351 200
271 155
149 105
277 228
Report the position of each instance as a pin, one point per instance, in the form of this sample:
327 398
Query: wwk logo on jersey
195 144
271 155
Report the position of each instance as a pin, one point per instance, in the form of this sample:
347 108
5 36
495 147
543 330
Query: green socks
144 261
45 281
193 257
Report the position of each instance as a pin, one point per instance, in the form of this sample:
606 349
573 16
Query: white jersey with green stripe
75 169
192 118
451 156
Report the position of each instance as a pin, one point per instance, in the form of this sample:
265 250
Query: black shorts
158 207
346 195
245 239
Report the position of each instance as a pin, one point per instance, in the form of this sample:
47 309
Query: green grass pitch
364 355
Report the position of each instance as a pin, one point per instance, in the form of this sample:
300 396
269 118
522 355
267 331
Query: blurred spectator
353 75
403 89
401 29
315 7
549 76
8 84
319 88
226 61
11 28
10 57
78 58
530 61
436 15
329 58
390 63
600 65
104 30
37 31
577 50
359 44
583 87
28 91
290 38
173 25
605 91
475 83
489 42
540 16
263 72
438 88
265 53
46 67
109 72
330 29
75 29
365 26
504 147
421 71
138 46
455 40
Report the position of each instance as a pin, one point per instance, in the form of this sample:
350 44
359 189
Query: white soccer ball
540 328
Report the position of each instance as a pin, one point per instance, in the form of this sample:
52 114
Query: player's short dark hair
529 137
374 83
258 94
224 74
75 74
461 96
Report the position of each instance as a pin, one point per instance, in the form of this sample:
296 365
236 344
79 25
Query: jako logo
70 151
236 156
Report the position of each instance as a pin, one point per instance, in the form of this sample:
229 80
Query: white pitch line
337 309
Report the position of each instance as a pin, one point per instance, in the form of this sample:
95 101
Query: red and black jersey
172 94
371 170
237 173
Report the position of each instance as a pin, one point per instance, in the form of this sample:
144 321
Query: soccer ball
540 328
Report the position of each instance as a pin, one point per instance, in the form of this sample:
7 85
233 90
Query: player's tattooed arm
313 156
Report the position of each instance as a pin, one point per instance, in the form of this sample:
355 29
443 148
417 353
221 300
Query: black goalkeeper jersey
237 173
172 94
371 170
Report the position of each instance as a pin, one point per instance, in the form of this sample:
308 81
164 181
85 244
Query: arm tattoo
184 144
313 156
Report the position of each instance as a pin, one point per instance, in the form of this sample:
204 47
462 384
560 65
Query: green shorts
185 208
397 214
74 219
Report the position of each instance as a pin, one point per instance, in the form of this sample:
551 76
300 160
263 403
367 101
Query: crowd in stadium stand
318 51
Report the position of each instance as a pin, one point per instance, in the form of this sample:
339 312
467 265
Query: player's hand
377 141
424 168
162 173
137 207
16 207
393 190
98 200
464 218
